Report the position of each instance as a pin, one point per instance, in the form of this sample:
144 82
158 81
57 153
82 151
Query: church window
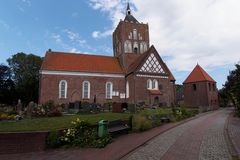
155 84
141 48
86 90
194 87
127 90
135 46
134 34
149 84
144 47
130 35
109 90
63 89
127 46
214 87
209 86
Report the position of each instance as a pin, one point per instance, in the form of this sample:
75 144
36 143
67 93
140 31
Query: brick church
134 74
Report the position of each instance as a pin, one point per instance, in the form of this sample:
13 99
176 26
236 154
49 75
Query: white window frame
65 89
135 35
155 84
149 84
89 85
111 90
127 89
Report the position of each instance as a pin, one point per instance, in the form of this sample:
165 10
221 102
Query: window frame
88 90
60 89
149 84
111 90
155 84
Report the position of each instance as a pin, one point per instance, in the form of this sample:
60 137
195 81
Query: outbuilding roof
198 74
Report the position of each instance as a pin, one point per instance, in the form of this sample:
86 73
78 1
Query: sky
184 32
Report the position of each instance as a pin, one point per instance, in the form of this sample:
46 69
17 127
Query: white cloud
69 40
187 32
115 10
27 2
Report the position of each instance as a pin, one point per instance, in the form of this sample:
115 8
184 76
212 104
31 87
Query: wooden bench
164 119
117 127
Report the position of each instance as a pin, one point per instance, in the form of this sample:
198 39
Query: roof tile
81 63
198 74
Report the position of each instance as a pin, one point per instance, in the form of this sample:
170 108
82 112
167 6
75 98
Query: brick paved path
201 138
234 134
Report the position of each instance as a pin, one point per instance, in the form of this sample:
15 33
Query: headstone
19 107
29 109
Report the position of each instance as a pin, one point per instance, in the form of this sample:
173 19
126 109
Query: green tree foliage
25 69
7 86
231 90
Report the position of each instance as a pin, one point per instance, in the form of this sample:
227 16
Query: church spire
128 11
129 17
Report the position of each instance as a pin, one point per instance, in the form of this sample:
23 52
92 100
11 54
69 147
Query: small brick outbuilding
200 90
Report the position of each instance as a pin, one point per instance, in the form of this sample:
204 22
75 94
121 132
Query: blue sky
182 36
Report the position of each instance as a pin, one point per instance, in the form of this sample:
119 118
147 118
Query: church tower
130 39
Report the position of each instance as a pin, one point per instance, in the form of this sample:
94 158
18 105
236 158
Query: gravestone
19 107
29 109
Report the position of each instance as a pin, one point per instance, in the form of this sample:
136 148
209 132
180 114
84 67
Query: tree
25 69
7 86
232 87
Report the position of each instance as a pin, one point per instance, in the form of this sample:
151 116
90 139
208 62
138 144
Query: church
135 74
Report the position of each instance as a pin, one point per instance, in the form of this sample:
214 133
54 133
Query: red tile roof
198 74
81 63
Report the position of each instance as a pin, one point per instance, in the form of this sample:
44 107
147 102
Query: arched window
144 47
86 90
127 46
141 48
63 89
149 84
135 47
109 89
134 34
155 84
127 90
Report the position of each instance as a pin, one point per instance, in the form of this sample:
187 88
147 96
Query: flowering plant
83 134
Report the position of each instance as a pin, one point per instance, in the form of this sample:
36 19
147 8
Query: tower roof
198 74
129 17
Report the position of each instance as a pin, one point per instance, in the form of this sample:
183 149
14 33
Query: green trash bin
102 128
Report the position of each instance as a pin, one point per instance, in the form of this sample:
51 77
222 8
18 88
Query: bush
141 123
53 140
81 134
130 121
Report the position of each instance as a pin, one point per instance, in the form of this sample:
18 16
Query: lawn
51 123
156 111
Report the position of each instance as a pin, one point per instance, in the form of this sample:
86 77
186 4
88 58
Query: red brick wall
122 31
22 142
50 88
201 97
142 94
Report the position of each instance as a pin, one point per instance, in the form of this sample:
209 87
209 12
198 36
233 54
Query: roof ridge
59 52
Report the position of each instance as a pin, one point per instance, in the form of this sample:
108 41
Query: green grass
156 111
52 123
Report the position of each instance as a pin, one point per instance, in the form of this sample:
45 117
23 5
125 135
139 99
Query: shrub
53 139
130 121
81 134
141 123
